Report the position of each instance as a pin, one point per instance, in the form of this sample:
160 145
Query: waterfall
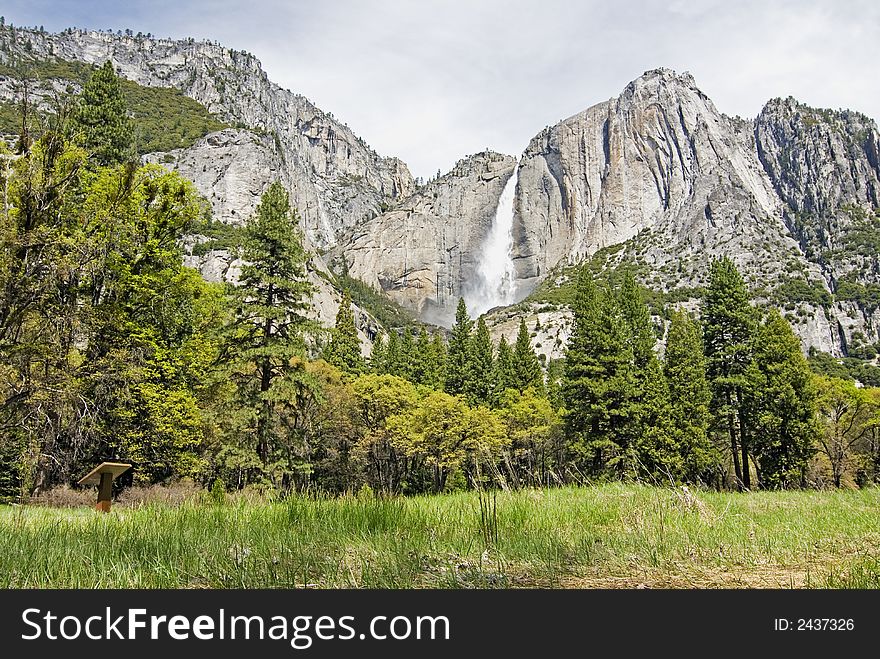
495 283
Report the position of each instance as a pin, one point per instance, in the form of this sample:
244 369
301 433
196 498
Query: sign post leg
104 492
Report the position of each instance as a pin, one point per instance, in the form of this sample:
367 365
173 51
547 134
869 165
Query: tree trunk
265 384
734 450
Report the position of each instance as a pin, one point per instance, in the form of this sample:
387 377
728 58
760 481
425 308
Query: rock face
335 179
819 160
658 158
656 178
231 168
423 253
661 173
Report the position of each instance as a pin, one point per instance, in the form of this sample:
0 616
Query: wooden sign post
103 476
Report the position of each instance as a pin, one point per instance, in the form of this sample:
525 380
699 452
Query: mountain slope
657 172
334 178
424 252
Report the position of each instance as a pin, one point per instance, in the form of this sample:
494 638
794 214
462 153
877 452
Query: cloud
432 81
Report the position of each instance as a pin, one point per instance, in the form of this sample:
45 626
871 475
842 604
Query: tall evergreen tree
481 363
421 357
378 355
344 349
526 367
101 121
555 377
689 397
406 364
505 376
435 363
781 401
638 319
458 357
267 346
597 384
641 340
728 325
392 365
655 452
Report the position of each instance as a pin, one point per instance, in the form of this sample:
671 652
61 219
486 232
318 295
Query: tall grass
606 536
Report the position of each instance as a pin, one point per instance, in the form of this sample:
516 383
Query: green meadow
606 536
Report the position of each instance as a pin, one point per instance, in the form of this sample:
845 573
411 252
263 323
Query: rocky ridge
424 252
656 178
335 180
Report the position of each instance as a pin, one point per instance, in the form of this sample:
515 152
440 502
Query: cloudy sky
431 81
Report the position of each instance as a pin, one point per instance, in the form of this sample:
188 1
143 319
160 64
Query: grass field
615 535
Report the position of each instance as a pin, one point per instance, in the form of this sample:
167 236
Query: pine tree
101 120
641 339
378 356
480 381
555 377
458 357
656 452
421 358
689 397
344 349
406 362
781 401
728 325
638 320
526 367
267 346
505 376
392 365
597 383
435 363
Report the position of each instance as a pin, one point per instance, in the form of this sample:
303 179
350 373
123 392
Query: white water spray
495 284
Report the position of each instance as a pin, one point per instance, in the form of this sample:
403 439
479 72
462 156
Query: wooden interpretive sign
103 476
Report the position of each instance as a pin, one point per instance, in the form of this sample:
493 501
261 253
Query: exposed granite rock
657 171
422 254
335 179
231 168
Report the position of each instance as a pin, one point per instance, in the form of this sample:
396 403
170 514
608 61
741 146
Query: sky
432 81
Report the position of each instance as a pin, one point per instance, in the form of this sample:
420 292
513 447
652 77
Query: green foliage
597 388
165 118
101 123
526 368
505 375
446 435
428 360
103 330
344 349
728 326
265 346
381 307
10 118
220 236
379 400
848 417
656 451
534 428
689 398
792 291
866 296
847 368
457 369
479 385
781 401
162 118
638 319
